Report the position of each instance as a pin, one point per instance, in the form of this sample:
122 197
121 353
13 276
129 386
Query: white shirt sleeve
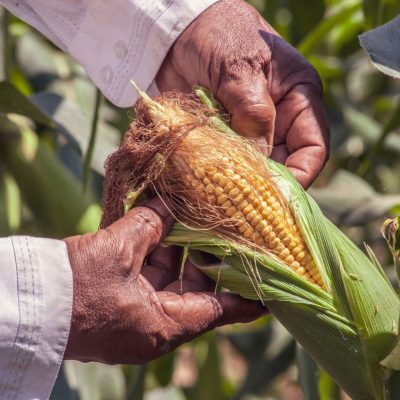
114 40
35 315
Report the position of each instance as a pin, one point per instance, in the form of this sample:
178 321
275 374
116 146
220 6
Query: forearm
36 299
114 41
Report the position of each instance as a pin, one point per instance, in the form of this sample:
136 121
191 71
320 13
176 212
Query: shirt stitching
20 356
26 331
122 70
33 342
9 370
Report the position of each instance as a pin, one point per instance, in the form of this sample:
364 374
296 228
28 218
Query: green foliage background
56 130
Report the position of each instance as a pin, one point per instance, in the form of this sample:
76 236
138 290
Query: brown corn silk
211 181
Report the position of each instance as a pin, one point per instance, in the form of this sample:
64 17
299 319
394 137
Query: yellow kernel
295 265
246 190
297 250
285 253
248 232
238 199
219 190
307 259
206 181
250 216
242 227
236 178
266 231
273 243
230 211
247 209
199 173
275 205
289 259
210 189
300 256
300 270
313 270
227 204
256 220
242 205
280 227
229 186
222 199
233 192
266 212
222 181
316 276
280 247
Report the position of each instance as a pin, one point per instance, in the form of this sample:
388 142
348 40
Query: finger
251 108
192 314
302 123
142 228
163 266
193 280
169 78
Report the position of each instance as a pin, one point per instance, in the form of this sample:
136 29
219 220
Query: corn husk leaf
348 327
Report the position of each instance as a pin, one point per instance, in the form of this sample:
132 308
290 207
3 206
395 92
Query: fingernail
159 206
263 145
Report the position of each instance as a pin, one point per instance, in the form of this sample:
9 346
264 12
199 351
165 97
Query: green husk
350 327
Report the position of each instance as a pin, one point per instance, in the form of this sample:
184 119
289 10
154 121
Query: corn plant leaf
51 192
95 381
308 374
364 205
13 101
318 33
75 126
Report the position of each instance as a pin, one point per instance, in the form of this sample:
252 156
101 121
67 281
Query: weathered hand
272 93
128 306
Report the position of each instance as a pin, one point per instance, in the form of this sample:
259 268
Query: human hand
273 94
124 312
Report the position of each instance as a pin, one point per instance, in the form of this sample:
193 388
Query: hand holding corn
271 92
124 312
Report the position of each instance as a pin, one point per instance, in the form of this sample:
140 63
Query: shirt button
106 74
120 49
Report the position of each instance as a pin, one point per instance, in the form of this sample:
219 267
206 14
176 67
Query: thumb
251 108
144 226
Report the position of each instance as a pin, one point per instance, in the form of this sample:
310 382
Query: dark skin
273 94
128 306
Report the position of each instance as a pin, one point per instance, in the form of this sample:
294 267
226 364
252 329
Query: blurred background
56 130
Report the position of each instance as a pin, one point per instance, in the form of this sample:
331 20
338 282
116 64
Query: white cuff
35 316
142 33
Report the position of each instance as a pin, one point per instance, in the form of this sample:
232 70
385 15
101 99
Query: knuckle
148 220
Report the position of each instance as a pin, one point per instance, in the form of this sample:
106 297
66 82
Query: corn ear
349 324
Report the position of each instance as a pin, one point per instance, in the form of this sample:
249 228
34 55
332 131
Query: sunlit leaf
76 126
13 101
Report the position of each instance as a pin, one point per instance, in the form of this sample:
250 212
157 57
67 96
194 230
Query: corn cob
249 204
